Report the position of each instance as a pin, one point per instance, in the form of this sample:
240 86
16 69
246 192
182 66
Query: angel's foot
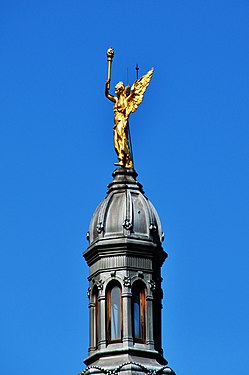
129 165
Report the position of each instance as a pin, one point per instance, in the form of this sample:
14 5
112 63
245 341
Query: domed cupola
125 214
125 257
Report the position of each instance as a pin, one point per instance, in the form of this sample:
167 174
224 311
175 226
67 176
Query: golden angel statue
126 101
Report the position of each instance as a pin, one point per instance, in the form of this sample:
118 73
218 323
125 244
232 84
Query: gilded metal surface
110 55
125 102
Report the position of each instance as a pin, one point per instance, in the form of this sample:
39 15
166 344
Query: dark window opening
139 307
114 314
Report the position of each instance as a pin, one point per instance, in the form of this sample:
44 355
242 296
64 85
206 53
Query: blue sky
191 149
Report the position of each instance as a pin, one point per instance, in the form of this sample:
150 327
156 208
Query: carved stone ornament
127 282
88 236
100 227
100 284
127 224
88 292
113 273
152 372
153 228
152 285
114 371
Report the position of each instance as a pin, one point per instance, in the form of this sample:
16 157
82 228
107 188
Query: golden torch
110 54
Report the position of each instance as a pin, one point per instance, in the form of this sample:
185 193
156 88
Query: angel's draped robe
121 134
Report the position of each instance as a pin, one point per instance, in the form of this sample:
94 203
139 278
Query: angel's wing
137 91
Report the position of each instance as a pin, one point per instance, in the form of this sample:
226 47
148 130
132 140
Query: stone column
149 322
127 316
102 322
91 330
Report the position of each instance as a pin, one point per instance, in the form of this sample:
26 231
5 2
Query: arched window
138 310
95 317
114 313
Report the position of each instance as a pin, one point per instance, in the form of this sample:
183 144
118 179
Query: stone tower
125 257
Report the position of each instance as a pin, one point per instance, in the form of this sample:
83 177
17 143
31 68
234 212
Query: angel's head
119 88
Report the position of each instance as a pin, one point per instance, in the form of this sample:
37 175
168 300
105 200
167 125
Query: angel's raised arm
107 94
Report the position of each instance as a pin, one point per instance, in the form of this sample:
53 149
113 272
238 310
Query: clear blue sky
191 146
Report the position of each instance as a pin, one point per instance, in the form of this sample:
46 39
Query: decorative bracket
152 285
